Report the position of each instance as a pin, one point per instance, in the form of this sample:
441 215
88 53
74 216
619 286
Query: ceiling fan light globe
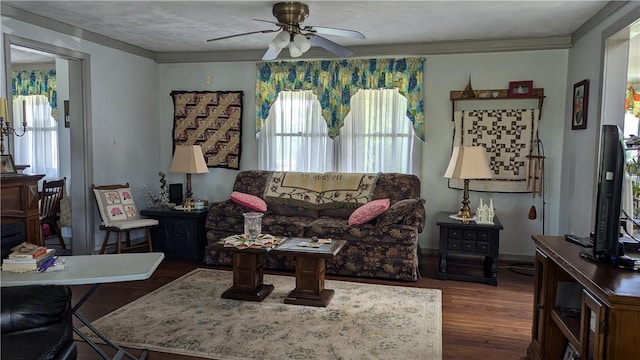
274 47
294 51
282 39
302 42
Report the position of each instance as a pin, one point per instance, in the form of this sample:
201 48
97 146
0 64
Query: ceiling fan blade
335 31
243 34
330 45
270 54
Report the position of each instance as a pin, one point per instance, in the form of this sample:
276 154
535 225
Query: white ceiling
184 26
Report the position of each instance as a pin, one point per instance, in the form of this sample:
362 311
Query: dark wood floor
479 321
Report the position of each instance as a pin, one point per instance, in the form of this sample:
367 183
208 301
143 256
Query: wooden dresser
606 321
19 203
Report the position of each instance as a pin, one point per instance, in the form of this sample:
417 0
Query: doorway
75 149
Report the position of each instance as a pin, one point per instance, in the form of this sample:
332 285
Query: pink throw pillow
251 201
368 211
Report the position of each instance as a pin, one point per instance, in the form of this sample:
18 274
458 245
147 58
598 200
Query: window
38 147
294 136
377 135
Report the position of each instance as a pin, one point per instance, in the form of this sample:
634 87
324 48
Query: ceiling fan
292 34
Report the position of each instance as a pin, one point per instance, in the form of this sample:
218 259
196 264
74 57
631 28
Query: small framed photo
580 105
521 88
6 165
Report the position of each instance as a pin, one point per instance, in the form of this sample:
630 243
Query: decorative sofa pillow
368 211
251 201
397 211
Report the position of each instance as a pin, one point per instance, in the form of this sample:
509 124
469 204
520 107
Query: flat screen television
611 172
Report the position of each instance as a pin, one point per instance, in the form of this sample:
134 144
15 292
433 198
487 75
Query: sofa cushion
336 228
251 201
285 225
398 211
368 211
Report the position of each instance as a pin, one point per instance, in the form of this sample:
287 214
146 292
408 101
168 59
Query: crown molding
429 48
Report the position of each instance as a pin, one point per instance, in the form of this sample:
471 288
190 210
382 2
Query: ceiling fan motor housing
290 12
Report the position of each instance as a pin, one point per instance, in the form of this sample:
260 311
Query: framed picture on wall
521 88
6 165
580 105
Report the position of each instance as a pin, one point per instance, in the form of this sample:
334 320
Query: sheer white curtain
38 148
377 135
294 136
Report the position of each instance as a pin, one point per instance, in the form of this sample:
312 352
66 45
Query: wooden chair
50 196
119 215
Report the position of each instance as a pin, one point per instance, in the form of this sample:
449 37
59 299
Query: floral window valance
335 81
36 82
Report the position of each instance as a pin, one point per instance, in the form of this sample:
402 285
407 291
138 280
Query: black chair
52 193
37 323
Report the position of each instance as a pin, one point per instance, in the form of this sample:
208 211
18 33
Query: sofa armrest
224 209
29 307
416 217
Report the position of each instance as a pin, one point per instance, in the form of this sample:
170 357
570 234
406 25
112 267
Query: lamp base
462 218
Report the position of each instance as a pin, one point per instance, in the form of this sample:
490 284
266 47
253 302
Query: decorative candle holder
253 224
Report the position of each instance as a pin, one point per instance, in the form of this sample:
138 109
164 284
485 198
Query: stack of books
27 257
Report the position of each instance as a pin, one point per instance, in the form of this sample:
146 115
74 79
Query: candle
3 108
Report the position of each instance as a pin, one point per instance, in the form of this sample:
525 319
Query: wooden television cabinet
607 325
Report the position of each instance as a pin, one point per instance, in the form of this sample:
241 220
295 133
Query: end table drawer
455 233
484 236
469 235
453 244
483 247
469 245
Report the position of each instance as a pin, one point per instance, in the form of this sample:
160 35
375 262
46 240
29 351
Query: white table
94 270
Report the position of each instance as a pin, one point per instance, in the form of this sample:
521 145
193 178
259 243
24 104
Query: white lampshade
188 159
302 42
468 162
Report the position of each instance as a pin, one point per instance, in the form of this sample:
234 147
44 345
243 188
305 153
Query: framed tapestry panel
507 135
211 119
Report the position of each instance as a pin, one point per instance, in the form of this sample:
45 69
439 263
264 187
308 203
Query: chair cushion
133 224
116 205
368 211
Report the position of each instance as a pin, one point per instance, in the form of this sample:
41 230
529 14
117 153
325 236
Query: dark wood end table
310 271
179 234
468 239
248 275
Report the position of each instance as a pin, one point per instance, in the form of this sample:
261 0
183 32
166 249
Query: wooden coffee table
248 275
310 271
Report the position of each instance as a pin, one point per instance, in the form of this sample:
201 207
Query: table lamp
188 159
467 162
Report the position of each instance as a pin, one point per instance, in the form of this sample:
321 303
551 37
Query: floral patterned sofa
379 249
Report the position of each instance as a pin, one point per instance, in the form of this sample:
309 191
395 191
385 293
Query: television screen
609 195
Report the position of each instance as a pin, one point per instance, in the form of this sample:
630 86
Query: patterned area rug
363 321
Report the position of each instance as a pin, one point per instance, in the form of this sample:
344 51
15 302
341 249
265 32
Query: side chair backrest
115 203
50 196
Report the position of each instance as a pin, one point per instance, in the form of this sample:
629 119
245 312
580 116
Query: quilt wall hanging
213 120
507 135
